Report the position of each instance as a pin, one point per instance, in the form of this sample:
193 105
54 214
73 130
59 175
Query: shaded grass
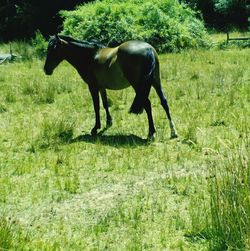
117 191
113 140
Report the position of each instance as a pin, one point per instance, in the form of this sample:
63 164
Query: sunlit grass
61 189
230 200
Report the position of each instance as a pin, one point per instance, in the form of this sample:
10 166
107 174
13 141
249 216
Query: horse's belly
115 83
112 78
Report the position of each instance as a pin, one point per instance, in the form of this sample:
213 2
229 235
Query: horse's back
130 49
134 47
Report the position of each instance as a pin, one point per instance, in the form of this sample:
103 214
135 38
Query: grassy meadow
61 189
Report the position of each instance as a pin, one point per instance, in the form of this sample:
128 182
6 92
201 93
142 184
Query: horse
132 63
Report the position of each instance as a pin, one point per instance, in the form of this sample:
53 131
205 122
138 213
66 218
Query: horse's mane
92 43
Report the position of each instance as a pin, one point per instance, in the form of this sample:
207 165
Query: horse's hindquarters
137 60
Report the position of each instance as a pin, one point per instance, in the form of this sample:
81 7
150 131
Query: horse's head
54 54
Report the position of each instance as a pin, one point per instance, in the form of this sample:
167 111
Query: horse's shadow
118 140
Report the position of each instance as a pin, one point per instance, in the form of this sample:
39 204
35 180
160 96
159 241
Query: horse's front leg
96 102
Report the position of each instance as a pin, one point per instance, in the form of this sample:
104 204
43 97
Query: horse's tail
143 88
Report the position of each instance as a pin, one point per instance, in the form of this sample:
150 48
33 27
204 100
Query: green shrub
40 44
234 44
166 24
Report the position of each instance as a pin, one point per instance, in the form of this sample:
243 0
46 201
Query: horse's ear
63 42
60 40
57 42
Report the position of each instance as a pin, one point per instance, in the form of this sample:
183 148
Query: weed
55 132
45 95
3 108
10 97
6 235
218 123
11 236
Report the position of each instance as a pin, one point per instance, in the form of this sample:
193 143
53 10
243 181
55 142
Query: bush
40 44
166 24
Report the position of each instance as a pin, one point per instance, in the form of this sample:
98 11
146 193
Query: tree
222 14
235 12
21 18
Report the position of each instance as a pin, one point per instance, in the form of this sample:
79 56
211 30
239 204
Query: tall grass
54 132
6 235
230 197
11 236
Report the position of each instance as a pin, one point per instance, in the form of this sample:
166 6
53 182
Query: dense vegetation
164 23
61 189
223 14
22 18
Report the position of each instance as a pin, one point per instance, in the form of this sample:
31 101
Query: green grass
230 200
61 189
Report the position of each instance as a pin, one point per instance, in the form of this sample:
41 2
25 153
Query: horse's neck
79 57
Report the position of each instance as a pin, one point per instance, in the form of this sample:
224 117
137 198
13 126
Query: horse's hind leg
164 104
148 110
106 107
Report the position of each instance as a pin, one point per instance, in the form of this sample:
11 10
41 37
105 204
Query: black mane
92 43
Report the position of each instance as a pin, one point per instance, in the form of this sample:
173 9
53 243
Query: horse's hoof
151 138
93 132
109 123
174 136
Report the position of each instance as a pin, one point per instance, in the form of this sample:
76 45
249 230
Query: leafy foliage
222 13
40 44
235 12
165 24
21 19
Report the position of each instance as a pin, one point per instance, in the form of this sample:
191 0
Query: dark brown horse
133 63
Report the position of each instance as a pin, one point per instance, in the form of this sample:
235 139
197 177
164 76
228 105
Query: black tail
144 86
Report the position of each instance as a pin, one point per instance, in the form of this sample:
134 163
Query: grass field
61 189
